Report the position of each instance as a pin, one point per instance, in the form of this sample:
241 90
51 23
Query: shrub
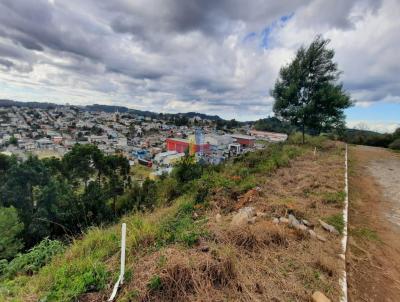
167 190
33 260
187 169
247 184
180 228
291 151
10 229
395 145
154 283
73 280
209 181
314 141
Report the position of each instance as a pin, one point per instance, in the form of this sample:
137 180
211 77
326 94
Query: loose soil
373 253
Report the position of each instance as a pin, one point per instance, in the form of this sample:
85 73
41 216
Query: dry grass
258 262
181 275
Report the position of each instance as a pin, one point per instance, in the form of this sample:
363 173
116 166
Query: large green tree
10 229
307 92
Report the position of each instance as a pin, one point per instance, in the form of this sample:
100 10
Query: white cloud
169 55
378 126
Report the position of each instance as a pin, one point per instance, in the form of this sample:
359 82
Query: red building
181 145
244 140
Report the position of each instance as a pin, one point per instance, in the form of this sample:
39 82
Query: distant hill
107 108
370 138
202 115
10 103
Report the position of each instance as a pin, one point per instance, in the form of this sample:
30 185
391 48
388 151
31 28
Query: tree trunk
114 206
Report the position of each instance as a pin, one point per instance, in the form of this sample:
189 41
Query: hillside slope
200 249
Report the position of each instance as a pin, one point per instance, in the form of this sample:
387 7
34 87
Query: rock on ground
328 227
319 297
244 216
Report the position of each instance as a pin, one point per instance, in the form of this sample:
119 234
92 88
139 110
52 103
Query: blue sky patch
266 33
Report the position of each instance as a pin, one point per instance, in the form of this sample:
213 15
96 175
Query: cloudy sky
218 57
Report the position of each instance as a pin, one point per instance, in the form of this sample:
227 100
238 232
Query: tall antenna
199 138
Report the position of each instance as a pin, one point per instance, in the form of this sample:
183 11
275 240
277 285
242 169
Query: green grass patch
33 260
262 142
365 233
336 221
154 283
180 228
334 197
314 141
72 280
161 261
140 172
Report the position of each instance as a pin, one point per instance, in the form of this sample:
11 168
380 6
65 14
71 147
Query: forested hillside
375 139
57 198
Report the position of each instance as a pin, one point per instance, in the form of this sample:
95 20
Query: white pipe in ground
120 280
343 279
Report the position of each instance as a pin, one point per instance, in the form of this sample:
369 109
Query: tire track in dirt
374 243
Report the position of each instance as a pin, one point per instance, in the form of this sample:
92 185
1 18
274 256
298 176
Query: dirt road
374 224
386 171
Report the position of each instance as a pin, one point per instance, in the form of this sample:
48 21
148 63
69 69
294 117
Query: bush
291 151
180 228
187 169
314 141
33 260
154 283
73 280
167 190
395 145
10 230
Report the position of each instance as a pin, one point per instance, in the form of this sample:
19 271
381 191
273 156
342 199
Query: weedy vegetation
176 251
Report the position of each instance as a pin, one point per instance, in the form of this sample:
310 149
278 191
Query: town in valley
154 141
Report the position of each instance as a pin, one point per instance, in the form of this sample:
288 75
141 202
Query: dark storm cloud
207 16
168 52
6 63
29 44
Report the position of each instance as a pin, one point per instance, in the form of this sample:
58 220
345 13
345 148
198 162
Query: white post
122 269
343 278
123 244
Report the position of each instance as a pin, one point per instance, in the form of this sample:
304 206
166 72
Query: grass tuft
365 233
334 198
154 283
336 221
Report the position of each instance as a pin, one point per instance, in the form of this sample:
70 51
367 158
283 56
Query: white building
167 158
269 136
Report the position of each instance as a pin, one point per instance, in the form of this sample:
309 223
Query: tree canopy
273 124
307 93
54 197
10 228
